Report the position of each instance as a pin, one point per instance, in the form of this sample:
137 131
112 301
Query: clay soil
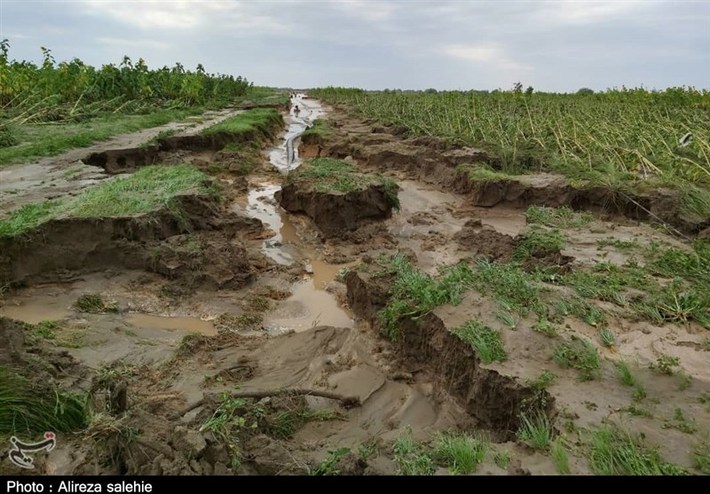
249 339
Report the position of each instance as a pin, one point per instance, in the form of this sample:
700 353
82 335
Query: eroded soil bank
250 339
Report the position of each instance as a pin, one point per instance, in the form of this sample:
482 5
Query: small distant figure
296 110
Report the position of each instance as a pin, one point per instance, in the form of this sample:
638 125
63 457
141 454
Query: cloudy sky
558 45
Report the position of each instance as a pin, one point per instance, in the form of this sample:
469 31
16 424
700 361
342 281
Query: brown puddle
37 311
189 324
306 308
324 273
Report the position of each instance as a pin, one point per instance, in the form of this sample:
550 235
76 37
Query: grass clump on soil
415 293
578 354
535 431
608 282
487 342
329 466
336 176
665 365
509 284
28 217
638 411
623 371
28 409
546 327
318 132
502 459
260 120
149 189
543 381
607 337
614 452
93 303
539 243
227 421
680 422
483 173
411 457
57 334
460 453
563 217
701 457
581 309
559 456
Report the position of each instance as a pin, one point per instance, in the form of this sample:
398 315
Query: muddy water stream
310 304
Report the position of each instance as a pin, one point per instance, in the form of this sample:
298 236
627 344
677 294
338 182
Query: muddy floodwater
310 305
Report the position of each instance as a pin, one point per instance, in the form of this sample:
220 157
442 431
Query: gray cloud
552 45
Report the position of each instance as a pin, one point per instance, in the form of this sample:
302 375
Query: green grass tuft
539 244
607 337
487 342
581 355
546 327
701 457
459 452
559 456
411 457
502 459
28 217
28 410
614 452
535 431
624 374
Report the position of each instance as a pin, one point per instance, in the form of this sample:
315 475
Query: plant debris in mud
615 452
190 343
237 418
680 422
93 303
246 321
149 189
563 217
329 466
